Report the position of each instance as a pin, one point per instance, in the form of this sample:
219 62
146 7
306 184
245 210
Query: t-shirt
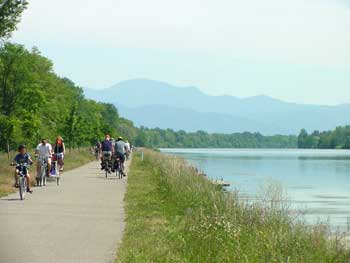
120 147
44 150
106 146
58 148
127 145
22 158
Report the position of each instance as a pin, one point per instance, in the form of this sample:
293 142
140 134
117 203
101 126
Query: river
316 182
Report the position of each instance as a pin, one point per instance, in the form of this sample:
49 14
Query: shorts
23 168
57 156
106 154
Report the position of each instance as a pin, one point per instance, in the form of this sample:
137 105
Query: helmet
120 138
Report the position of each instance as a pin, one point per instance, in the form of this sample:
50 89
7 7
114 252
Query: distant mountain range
158 104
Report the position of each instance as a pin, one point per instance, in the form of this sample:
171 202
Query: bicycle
118 166
41 177
22 168
97 154
55 169
107 163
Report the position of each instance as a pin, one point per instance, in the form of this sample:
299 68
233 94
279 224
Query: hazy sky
295 50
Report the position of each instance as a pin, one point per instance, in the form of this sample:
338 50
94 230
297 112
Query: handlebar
21 164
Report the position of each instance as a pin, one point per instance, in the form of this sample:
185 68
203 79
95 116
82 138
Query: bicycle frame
22 179
41 177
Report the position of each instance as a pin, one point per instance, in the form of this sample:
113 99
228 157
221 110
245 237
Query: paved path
80 221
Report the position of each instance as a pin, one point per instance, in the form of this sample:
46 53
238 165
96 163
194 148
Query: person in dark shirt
59 150
22 158
107 149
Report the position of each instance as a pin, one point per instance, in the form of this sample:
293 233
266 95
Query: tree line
167 138
336 139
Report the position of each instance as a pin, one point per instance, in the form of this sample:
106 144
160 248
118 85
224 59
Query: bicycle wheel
57 170
43 176
106 168
22 187
120 168
117 172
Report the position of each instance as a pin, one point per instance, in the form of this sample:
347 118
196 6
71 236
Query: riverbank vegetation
175 215
73 159
336 139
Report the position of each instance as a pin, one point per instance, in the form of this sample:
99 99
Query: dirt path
82 220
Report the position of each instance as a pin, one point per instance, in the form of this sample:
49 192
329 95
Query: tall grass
198 222
73 158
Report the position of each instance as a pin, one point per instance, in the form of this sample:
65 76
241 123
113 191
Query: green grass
73 159
175 215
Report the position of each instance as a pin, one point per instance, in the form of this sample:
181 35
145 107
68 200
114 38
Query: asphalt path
80 221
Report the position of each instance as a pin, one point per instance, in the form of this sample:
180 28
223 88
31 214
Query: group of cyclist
108 148
45 151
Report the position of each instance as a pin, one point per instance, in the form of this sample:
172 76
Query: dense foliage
36 103
159 138
337 139
10 14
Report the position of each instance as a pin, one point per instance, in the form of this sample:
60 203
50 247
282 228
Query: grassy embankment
174 215
73 159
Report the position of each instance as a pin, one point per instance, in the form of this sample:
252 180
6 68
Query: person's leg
60 161
49 165
38 168
28 183
110 161
16 177
123 164
102 161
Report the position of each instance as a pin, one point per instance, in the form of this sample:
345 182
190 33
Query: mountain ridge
136 96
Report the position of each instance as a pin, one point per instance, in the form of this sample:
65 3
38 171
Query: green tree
10 15
302 138
20 95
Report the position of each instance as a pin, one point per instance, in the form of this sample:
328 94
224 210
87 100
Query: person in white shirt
44 149
128 149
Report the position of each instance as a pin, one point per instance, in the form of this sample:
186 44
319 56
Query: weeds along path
82 220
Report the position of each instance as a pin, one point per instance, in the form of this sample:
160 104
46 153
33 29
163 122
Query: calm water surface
316 181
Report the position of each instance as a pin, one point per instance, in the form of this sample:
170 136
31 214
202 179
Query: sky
294 50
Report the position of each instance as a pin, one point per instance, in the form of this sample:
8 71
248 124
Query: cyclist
128 149
120 151
97 148
22 158
59 150
44 150
107 149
